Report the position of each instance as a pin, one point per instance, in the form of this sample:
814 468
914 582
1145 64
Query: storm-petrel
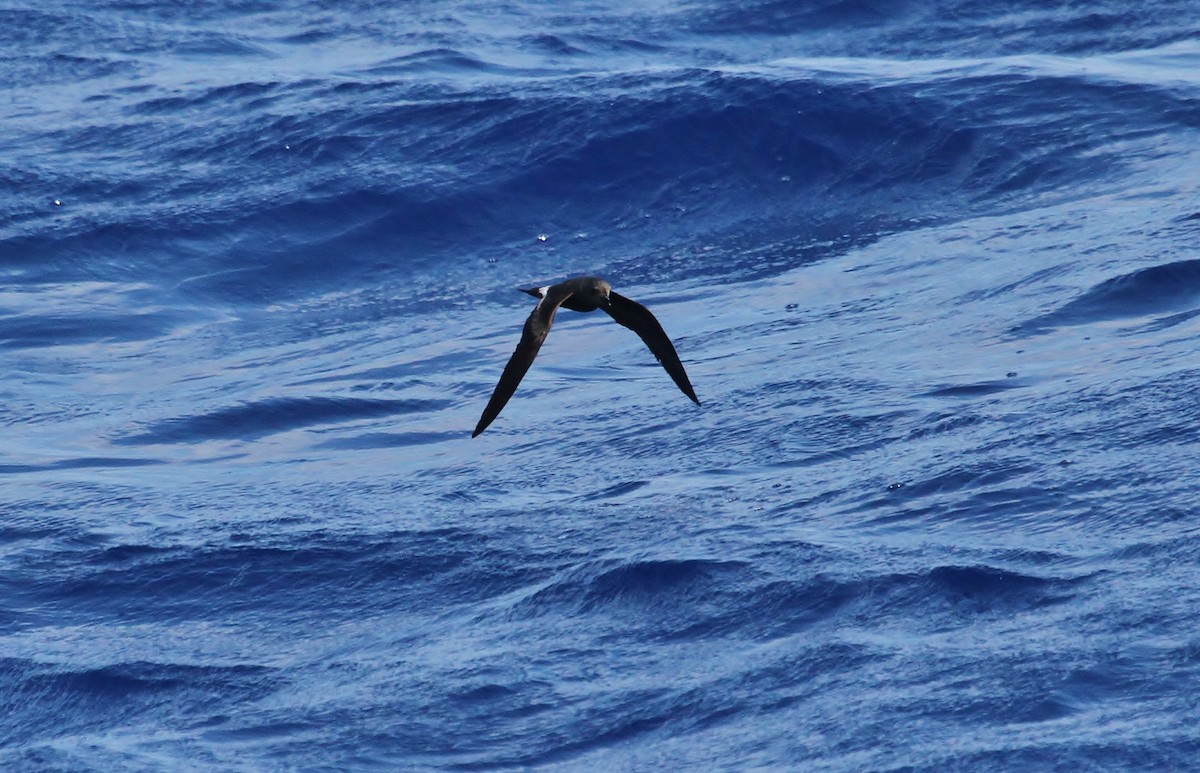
584 293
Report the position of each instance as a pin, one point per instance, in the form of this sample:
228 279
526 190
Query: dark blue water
933 268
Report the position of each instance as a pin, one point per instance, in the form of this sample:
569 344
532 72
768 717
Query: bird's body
584 294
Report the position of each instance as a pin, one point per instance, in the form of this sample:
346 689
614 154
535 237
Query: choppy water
933 271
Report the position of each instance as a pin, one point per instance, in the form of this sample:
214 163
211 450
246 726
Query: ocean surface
933 269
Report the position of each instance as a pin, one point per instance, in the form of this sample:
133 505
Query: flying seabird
584 293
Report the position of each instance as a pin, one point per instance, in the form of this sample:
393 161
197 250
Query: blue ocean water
932 268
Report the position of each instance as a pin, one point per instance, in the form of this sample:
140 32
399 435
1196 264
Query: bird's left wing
537 327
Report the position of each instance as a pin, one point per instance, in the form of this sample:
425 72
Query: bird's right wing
537 327
638 318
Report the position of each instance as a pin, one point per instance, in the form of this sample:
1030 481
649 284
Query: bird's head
598 292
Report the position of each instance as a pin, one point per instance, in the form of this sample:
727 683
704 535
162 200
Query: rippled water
932 270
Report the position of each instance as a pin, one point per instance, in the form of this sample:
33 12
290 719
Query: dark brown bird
584 293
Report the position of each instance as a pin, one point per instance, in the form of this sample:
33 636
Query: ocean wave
382 178
260 277
1170 292
266 417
